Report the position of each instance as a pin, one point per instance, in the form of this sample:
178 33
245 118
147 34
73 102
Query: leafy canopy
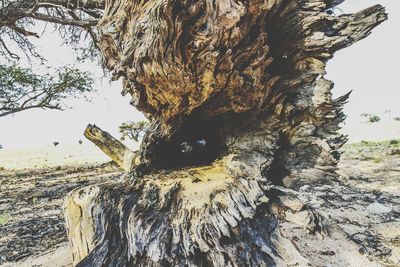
133 130
22 89
75 20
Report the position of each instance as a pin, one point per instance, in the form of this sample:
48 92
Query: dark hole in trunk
198 142
276 173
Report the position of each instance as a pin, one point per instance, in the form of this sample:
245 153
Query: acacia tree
133 130
21 89
242 84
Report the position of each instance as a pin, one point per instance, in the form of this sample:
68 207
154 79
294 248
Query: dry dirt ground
365 203
31 215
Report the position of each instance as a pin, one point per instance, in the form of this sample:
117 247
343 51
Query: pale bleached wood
113 148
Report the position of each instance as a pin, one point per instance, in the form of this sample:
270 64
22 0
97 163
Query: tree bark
242 116
118 152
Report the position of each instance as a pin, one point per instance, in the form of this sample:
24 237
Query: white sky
369 68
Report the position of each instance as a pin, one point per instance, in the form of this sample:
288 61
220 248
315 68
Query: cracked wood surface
113 148
254 71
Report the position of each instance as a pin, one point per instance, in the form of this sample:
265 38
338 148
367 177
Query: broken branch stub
118 152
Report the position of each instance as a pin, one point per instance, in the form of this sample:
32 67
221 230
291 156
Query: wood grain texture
246 77
113 148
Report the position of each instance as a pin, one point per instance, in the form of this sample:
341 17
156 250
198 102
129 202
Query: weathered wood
182 217
223 214
118 152
241 115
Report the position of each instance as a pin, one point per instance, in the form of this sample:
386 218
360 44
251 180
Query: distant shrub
371 118
133 130
397 119
373 143
394 142
374 118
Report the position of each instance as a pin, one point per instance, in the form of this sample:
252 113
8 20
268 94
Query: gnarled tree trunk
241 117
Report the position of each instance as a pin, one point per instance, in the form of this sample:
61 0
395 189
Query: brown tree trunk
241 118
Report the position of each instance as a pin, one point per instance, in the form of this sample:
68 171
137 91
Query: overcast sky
369 68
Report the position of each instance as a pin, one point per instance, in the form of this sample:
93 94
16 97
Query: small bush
371 118
394 142
374 118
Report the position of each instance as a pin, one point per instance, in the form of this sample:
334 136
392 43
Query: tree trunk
241 118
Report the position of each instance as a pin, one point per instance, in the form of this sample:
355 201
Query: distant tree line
373 118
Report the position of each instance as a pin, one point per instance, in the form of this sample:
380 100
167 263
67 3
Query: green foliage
396 119
371 118
4 218
133 130
376 144
374 118
394 142
74 20
22 89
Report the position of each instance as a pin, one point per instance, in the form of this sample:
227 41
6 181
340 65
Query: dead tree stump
241 116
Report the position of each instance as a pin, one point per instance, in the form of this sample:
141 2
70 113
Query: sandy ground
379 131
365 203
51 156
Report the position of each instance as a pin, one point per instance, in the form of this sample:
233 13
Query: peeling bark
241 115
